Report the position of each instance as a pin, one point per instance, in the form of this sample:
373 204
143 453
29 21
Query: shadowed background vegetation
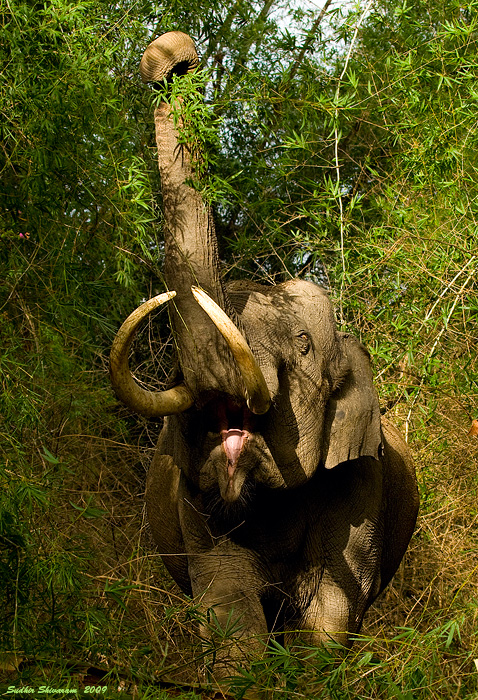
341 147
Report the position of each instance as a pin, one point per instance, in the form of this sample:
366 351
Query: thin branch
435 344
223 31
254 36
448 286
254 32
337 166
308 41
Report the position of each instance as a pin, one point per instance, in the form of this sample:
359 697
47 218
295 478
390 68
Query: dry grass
148 631
435 585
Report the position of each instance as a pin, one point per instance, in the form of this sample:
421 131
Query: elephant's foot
229 643
329 618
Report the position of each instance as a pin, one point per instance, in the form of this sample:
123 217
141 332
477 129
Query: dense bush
341 147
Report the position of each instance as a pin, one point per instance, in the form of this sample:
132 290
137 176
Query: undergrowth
365 183
88 598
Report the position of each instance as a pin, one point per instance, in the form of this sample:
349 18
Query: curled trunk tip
173 52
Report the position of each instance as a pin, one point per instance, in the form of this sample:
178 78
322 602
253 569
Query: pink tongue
233 441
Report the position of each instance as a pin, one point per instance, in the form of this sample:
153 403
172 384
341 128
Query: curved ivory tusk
151 404
257 394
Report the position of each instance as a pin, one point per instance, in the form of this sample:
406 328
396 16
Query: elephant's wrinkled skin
276 492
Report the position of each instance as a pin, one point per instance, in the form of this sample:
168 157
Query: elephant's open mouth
235 423
226 413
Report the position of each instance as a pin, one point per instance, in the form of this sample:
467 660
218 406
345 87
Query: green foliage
341 148
38 574
73 231
413 671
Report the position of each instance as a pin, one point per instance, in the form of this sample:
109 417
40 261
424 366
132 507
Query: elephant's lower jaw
230 487
232 492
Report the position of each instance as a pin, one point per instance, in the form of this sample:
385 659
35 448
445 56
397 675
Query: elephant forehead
280 312
312 305
306 295
260 307
309 304
271 324
266 327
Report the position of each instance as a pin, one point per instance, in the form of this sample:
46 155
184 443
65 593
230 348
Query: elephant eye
303 342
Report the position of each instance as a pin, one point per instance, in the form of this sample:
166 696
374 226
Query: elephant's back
393 438
401 498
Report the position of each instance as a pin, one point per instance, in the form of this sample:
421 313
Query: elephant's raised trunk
172 53
191 254
256 391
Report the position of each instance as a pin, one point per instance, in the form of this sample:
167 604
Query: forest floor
136 634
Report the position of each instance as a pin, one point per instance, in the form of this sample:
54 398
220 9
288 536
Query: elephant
278 496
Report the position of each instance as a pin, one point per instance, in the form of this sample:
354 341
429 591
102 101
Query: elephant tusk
257 394
151 404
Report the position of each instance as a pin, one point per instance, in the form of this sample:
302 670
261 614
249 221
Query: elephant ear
352 418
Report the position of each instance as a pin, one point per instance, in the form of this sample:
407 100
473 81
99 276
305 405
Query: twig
448 286
337 166
308 41
435 344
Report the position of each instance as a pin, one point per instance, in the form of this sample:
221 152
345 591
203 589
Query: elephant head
272 448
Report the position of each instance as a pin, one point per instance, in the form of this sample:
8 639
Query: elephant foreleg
162 507
234 625
328 617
